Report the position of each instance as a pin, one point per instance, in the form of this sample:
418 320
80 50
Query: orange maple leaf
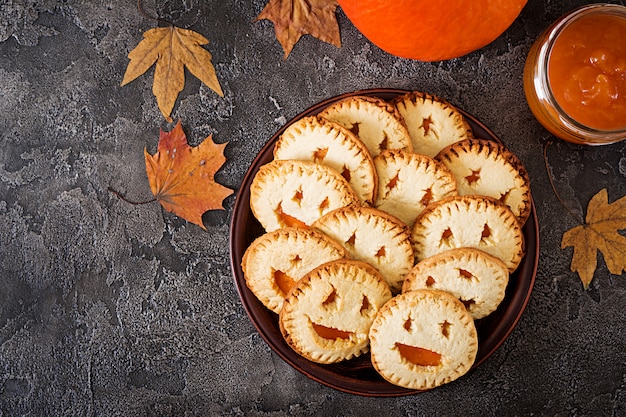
294 18
600 232
182 177
172 49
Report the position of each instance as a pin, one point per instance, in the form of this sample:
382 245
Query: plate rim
321 372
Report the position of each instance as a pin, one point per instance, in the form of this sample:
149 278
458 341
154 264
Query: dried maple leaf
294 18
182 177
600 232
172 49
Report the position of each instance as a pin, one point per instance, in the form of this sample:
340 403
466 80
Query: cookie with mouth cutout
408 182
422 339
485 167
372 236
377 123
479 222
276 260
433 123
296 193
327 315
319 140
476 278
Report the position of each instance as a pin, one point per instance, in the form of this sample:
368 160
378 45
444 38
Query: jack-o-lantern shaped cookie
476 278
372 236
471 221
319 140
276 260
485 167
327 315
422 339
296 193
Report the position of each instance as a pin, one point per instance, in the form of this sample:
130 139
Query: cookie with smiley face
372 236
296 193
476 278
479 222
485 167
316 139
433 123
374 121
422 339
327 315
409 182
276 260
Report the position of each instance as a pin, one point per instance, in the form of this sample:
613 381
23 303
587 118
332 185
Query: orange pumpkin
431 30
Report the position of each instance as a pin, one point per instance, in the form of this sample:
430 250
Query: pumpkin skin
431 30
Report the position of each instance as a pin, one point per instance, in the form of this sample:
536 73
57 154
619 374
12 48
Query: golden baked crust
433 123
327 315
287 193
377 123
408 182
476 278
319 140
372 236
422 339
469 221
485 167
276 260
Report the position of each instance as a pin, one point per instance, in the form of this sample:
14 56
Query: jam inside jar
575 75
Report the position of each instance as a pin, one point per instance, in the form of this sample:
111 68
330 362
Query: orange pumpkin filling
587 71
330 332
284 281
419 356
288 220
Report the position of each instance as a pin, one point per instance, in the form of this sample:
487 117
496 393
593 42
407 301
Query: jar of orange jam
575 75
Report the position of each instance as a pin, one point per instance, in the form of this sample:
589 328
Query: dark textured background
112 309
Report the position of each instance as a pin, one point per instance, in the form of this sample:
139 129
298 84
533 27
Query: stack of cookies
389 228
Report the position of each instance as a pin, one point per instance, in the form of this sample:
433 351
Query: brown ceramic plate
357 376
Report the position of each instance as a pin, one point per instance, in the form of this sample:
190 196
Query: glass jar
582 99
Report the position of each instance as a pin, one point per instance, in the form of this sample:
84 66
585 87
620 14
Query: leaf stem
572 214
148 16
124 199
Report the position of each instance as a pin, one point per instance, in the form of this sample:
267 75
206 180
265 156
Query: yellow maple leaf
294 18
172 49
600 232
182 178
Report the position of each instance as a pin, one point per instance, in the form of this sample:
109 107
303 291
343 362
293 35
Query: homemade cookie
486 167
432 122
373 236
377 123
469 221
476 278
422 339
276 260
327 315
408 182
296 193
319 140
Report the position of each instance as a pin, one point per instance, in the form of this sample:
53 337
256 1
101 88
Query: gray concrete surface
107 308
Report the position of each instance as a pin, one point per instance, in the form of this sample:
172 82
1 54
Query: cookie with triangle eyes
316 139
377 123
479 222
485 167
474 277
433 123
296 193
372 236
409 182
423 339
276 260
327 315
